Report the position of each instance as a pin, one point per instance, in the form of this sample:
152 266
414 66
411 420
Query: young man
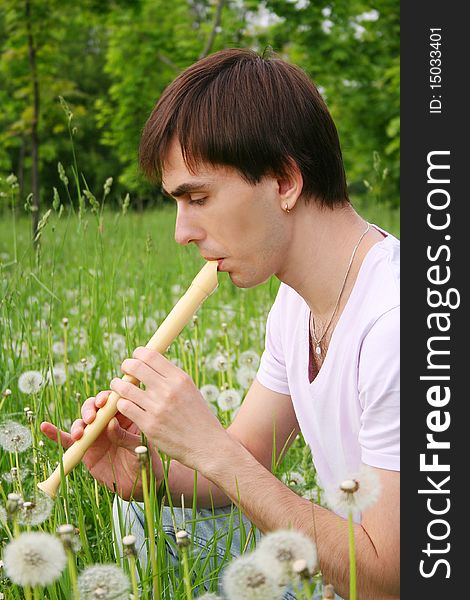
247 148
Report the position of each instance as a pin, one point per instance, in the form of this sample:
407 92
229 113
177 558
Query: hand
170 411
111 458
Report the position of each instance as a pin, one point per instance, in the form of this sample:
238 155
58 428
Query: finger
128 390
119 436
154 360
140 370
91 405
124 422
133 412
77 429
51 431
102 398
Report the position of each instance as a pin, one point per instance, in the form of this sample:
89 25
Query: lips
215 259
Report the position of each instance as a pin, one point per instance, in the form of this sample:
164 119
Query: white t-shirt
350 412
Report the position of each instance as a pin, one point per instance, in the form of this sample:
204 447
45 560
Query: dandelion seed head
128 542
229 399
34 559
209 392
150 324
30 382
58 348
6 393
118 343
245 376
14 475
103 582
355 494
278 551
294 478
220 363
69 536
14 437
14 502
300 568
182 538
311 494
3 516
37 511
249 358
128 322
245 579
86 364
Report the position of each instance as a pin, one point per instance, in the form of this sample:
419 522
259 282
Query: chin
246 280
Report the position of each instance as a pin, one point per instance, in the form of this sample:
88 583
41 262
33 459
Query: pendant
318 349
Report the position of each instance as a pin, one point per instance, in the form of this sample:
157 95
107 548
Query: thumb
121 437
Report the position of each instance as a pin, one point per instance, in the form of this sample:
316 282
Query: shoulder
287 303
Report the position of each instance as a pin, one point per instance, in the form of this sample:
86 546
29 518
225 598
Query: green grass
114 279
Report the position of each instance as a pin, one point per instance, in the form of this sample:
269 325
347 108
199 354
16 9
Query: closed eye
198 201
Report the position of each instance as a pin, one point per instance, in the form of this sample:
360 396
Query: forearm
181 482
270 505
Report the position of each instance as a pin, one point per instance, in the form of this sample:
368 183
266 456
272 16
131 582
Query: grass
114 278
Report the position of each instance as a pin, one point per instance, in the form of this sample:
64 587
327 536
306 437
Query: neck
317 258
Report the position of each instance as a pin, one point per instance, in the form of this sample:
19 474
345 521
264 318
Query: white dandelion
85 364
128 322
228 313
150 324
14 437
13 475
294 479
3 516
312 494
34 559
103 582
245 376
277 552
245 579
58 348
356 493
220 363
249 358
30 382
118 343
210 392
37 511
229 399
209 596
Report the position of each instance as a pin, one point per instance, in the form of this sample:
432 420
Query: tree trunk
215 27
34 121
21 170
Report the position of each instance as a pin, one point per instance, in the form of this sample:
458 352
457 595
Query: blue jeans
217 536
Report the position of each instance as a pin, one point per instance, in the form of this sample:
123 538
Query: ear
290 186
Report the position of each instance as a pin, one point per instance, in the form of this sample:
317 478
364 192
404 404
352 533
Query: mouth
218 260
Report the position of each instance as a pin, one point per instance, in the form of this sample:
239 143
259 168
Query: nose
187 229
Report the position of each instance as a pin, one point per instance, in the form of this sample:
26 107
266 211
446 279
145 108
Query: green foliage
110 61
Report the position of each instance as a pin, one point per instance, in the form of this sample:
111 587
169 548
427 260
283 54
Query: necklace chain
312 324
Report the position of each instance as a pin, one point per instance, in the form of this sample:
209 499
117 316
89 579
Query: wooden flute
201 287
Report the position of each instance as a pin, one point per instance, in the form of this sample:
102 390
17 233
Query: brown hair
255 114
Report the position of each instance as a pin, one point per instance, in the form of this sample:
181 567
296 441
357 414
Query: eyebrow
186 188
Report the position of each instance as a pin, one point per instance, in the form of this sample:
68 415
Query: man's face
227 218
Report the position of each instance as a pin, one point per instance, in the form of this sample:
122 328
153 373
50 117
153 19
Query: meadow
98 286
